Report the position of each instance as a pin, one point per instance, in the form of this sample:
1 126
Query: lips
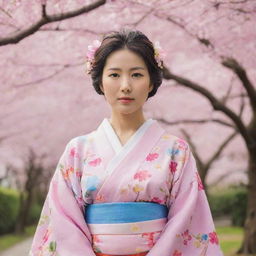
125 98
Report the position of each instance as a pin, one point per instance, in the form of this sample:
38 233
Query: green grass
230 239
9 240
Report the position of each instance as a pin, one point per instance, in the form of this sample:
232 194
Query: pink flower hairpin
90 55
159 54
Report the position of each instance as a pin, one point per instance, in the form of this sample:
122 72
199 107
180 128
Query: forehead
124 58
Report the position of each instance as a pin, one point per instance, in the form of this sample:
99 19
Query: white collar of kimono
113 138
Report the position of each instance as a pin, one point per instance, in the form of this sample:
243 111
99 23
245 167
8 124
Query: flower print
46 236
149 236
74 153
197 243
182 144
142 175
99 198
158 166
173 166
95 238
204 237
67 172
186 236
166 137
91 183
137 188
177 253
78 173
43 219
213 238
152 156
123 190
134 227
138 250
201 240
95 162
156 200
52 246
173 151
96 249
199 181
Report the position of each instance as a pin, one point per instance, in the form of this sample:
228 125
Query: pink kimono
153 166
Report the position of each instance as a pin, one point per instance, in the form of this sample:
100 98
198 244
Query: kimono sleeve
62 230
190 229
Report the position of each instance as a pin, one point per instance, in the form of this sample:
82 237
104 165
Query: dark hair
135 41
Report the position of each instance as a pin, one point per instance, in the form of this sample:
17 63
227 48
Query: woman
129 187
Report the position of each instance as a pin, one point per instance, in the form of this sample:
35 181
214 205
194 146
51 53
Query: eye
113 74
137 74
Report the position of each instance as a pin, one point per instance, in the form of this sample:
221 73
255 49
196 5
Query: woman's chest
147 180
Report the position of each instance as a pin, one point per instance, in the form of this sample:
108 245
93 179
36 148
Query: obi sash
125 228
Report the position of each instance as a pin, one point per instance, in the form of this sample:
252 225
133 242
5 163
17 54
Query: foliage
9 206
230 201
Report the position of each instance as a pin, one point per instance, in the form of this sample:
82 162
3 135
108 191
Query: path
20 249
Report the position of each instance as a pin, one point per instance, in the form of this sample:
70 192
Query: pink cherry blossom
173 166
156 200
177 253
95 162
142 175
160 54
213 238
186 236
73 153
92 49
152 156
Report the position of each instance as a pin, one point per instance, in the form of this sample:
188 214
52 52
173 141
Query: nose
125 84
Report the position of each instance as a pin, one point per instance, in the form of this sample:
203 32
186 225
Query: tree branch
216 104
232 64
45 19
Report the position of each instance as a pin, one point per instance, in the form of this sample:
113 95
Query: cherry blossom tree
210 49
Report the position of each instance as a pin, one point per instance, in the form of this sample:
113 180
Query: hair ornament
159 54
90 55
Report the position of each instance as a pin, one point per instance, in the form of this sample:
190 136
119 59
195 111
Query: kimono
153 166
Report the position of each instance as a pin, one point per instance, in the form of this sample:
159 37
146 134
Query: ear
151 87
101 87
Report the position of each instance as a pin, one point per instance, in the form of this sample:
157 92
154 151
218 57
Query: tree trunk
24 209
19 227
249 241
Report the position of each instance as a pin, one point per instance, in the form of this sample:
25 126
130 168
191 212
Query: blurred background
208 97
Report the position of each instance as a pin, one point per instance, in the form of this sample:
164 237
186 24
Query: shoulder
80 140
174 141
77 146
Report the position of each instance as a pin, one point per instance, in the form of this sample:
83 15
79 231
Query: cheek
110 90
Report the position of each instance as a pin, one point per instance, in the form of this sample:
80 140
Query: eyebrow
134 68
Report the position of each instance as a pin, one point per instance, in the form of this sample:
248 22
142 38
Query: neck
125 124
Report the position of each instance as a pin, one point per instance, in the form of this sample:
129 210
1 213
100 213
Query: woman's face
125 74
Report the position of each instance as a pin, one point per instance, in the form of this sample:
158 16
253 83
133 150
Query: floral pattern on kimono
61 226
154 167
